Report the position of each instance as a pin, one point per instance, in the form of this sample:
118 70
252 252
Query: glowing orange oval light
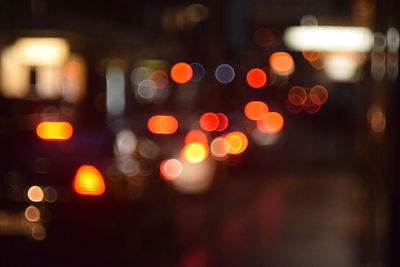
297 95
51 130
223 122
209 121
318 94
181 72
196 136
256 78
272 122
88 181
195 152
255 110
282 63
170 169
237 142
162 124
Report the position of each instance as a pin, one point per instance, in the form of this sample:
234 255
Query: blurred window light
14 76
32 214
170 169
195 178
162 124
88 181
255 110
329 38
195 152
42 51
272 122
198 72
256 78
35 194
181 72
376 119
115 81
343 67
223 122
308 20
209 121
224 73
237 142
281 63
393 39
51 130
125 143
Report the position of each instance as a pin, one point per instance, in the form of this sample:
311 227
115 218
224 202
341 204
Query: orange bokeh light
181 72
237 142
196 136
311 56
256 78
297 95
272 122
209 121
88 181
162 124
255 110
51 130
170 169
195 152
281 62
223 122
318 94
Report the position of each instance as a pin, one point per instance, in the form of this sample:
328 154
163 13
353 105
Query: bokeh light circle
282 63
255 110
256 78
209 121
297 95
272 122
223 122
237 141
224 73
171 169
181 72
198 72
318 94
195 152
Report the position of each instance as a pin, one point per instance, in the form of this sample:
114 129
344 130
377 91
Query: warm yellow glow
329 38
88 181
282 63
42 51
35 194
272 122
255 110
54 130
237 142
195 152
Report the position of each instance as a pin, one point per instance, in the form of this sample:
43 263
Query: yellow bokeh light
88 181
195 152
237 142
